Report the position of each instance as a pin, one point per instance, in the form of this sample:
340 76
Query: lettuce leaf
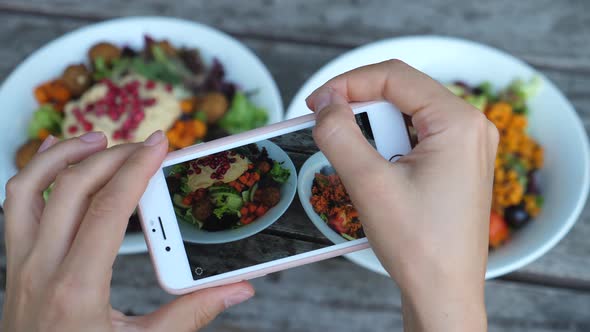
243 115
279 173
45 117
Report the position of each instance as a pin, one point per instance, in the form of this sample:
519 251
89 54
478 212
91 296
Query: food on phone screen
517 196
228 189
331 202
129 93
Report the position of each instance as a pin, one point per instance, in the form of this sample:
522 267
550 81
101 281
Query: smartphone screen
238 208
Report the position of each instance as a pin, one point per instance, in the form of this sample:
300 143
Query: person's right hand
427 215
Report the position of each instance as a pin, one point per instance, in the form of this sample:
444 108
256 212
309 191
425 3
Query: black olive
516 216
534 182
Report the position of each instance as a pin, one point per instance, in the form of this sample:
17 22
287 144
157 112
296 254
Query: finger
412 91
193 311
24 202
69 200
409 89
336 131
101 232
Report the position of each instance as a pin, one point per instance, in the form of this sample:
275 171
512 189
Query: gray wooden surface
295 38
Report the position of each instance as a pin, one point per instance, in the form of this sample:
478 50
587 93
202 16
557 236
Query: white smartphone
215 212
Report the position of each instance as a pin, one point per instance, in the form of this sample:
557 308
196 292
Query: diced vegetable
243 115
480 102
279 173
498 230
45 117
178 200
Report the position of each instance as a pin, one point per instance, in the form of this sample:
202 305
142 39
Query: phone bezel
172 266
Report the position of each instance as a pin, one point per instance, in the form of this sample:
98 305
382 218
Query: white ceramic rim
568 111
288 190
135 243
307 172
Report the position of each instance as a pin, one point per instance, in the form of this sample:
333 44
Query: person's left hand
60 252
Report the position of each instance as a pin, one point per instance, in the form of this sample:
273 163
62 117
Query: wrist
443 301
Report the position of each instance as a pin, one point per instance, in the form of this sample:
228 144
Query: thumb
340 138
193 311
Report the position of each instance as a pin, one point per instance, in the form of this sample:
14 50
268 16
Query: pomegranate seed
88 126
190 171
149 102
138 116
169 87
213 176
150 85
73 129
197 170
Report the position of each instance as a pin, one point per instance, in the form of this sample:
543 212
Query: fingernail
237 298
48 142
92 137
155 138
322 99
326 96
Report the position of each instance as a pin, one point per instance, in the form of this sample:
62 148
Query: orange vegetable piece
499 230
58 92
244 211
200 129
41 95
260 211
43 133
252 208
187 106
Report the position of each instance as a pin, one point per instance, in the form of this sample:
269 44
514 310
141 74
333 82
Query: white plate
553 123
16 94
313 165
192 234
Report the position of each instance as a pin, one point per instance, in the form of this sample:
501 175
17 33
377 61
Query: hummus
203 178
128 110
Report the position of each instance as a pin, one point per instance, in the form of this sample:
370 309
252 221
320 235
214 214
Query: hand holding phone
214 213
427 215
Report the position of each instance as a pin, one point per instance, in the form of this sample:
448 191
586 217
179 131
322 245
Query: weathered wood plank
546 32
336 295
291 63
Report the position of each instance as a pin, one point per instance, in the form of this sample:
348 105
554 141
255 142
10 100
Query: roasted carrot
43 133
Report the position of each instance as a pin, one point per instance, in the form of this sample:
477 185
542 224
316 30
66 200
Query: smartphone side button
395 158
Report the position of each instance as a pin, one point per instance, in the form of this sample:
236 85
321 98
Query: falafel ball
106 51
202 209
26 152
77 79
269 196
214 105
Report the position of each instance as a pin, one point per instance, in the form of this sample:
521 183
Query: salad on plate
226 190
517 195
129 93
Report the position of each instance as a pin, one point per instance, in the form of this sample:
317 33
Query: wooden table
295 38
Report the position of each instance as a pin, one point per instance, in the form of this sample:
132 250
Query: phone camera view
236 208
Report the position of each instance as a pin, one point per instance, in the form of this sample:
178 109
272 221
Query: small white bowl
307 173
553 123
241 65
193 234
